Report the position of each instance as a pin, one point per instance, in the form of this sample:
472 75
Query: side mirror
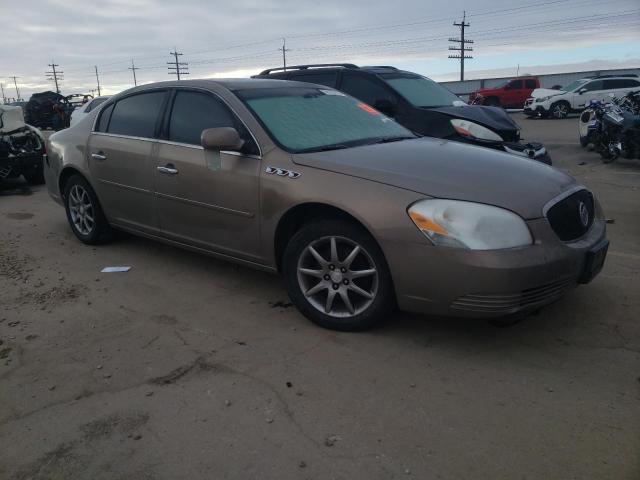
582 90
222 138
385 106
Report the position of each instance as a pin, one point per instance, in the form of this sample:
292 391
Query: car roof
233 84
373 69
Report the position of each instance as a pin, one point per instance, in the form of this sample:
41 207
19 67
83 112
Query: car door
620 86
590 91
121 159
513 92
208 199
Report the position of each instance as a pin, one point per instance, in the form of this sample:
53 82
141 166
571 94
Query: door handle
168 169
99 156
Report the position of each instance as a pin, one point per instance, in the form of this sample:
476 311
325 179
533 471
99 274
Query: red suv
511 94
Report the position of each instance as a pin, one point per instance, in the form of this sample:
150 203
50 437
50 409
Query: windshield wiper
391 139
324 148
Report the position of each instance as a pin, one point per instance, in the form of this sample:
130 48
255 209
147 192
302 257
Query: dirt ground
189 367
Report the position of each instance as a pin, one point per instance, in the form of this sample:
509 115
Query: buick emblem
584 214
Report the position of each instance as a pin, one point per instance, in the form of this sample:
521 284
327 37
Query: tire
492 102
84 212
34 178
560 110
312 249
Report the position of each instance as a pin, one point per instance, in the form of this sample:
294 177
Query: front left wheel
84 212
337 276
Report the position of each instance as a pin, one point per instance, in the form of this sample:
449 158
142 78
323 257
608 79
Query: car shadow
15 186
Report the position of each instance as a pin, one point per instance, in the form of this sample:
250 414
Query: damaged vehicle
22 147
48 110
419 104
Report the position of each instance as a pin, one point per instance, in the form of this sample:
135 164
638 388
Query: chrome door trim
126 187
128 137
206 205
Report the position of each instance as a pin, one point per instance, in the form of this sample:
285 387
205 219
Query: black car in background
418 103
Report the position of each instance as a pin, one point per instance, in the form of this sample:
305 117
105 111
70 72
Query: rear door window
530 84
321 78
137 115
592 86
620 83
515 85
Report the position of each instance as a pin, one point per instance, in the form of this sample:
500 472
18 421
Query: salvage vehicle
510 94
21 147
355 211
419 104
576 96
48 110
80 112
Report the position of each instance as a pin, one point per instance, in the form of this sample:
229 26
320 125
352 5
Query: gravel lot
189 367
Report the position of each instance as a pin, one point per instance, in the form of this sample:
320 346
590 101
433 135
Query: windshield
306 119
574 85
420 91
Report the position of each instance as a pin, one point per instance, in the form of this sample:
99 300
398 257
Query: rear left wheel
84 213
337 276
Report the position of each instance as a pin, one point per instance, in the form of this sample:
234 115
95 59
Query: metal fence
463 89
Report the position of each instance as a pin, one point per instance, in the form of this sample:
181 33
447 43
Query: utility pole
55 75
463 42
15 84
97 79
284 51
4 99
133 68
176 67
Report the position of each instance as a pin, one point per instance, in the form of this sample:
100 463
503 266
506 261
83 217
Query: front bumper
487 284
17 165
532 109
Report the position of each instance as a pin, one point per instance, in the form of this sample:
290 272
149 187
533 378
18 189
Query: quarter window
620 83
137 115
103 122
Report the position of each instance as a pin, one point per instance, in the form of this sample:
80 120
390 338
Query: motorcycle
621 129
613 128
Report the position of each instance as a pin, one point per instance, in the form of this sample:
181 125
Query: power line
178 68
54 75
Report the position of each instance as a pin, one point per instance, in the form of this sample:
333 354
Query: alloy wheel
81 210
337 276
560 110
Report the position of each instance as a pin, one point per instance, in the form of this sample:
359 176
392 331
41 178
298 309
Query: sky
240 38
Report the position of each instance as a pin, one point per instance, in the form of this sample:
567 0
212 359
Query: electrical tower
284 51
176 67
133 68
55 75
462 48
97 79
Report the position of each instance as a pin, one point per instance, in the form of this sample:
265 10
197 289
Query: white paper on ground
115 269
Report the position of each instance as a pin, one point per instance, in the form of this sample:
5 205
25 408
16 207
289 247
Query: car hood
447 169
494 118
546 92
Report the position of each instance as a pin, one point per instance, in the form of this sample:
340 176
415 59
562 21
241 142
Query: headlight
543 99
473 130
454 223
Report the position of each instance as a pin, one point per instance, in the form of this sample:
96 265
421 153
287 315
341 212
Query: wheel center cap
336 277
